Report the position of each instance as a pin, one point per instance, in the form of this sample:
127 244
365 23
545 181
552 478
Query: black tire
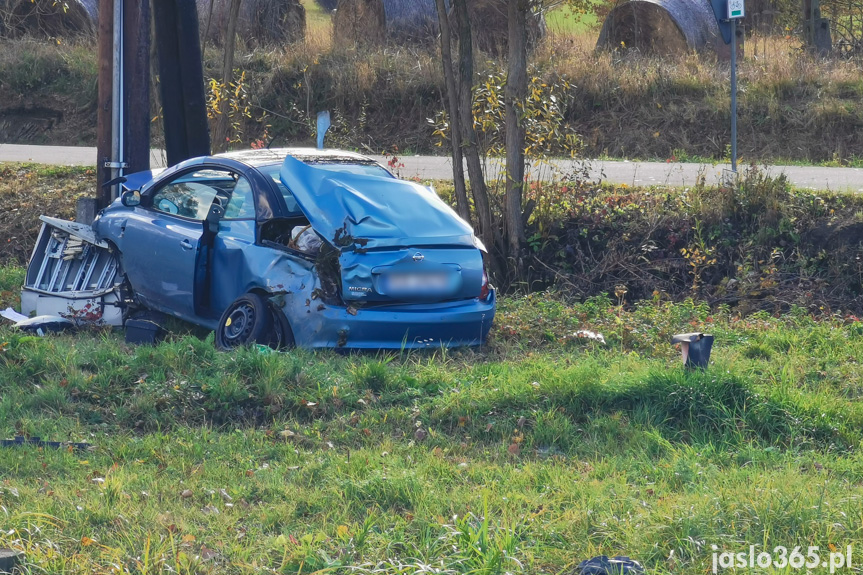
247 321
284 334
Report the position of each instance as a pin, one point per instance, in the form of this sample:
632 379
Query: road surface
440 168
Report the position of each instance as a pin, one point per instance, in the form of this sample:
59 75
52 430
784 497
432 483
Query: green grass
684 157
564 21
536 451
318 21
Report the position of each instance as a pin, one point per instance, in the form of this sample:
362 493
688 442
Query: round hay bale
47 18
359 22
261 22
661 26
411 20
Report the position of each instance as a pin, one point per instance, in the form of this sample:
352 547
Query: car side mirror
130 198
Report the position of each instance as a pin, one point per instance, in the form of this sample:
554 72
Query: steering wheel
166 205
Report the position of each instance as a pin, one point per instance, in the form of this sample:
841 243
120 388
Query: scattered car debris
42 324
19 441
695 349
591 335
604 565
12 315
72 274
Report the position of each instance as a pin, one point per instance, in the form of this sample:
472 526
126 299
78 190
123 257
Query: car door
167 268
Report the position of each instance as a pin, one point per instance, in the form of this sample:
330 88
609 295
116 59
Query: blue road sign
720 10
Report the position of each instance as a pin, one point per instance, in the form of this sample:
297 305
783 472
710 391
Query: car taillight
484 290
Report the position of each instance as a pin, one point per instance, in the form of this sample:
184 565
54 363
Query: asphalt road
434 167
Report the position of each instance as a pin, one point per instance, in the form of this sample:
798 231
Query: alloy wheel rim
239 324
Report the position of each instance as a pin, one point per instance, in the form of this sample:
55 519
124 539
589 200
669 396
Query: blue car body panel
379 231
370 212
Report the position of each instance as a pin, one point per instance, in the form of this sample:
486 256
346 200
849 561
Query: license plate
417 283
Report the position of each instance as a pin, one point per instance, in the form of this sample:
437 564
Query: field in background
793 108
563 21
319 25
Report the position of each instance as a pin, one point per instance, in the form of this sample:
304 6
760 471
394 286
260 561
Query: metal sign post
736 10
734 96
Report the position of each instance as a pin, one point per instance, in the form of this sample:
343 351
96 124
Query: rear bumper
447 324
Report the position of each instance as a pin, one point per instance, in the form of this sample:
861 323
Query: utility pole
105 100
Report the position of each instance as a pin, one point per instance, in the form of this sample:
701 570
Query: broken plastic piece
604 565
694 348
145 328
19 441
9 560
12 315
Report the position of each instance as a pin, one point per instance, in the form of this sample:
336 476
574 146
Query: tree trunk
221 138
137 85
516 92
206 35
463 206
468 133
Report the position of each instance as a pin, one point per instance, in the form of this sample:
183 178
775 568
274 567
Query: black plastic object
9 559
144 328
604 565
45 323
19 441
695 348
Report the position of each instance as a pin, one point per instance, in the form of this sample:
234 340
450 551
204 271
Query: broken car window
191 195
242 204
187 199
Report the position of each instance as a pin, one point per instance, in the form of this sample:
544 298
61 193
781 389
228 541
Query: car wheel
246 321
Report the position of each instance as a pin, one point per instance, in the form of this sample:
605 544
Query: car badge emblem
418 257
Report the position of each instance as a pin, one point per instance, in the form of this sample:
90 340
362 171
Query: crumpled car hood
371 212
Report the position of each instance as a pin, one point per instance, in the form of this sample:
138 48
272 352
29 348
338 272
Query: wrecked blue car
319 249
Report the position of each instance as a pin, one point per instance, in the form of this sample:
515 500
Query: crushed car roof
264 156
